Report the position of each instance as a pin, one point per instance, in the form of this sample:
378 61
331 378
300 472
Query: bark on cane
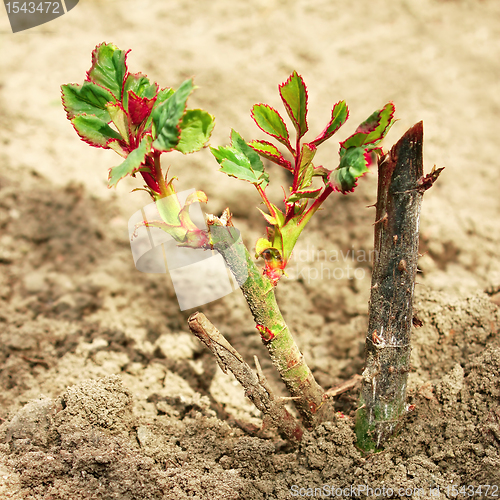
401 185
259 294
256 389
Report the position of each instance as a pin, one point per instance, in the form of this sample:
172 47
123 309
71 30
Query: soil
104 393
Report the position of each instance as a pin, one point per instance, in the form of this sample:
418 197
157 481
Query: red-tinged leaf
340 113
271 152
280 216
196 128
140 85
386 121
270 122
134 162
269 218
303 193
306 168
163 95
261 246
120 120
118 147
139 108
94 131
89 99
108 68
294 96
373 129
354 163
321 171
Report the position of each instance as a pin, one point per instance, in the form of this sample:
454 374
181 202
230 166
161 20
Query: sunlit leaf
108 68
133 163
94 131
89 99
294 96
196 128
241 161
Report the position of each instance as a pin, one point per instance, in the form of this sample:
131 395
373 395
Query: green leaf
385 122
294 96
241 161
270 122
271 152
321 171
196 128
167 116
340 113
306 168
303 193
140 85
132 164
269 218
89 99
300 208
108 68
373 129
117 147
94 131
162 96
120 119
353 164
261 246
280 216
290 233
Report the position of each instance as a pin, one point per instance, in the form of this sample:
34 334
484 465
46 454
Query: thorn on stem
384 220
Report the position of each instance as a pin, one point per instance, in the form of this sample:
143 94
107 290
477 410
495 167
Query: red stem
148 177
266 201
318 202
159 175
297 164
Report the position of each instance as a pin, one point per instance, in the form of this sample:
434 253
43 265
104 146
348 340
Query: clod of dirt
103 404
32 423
80 449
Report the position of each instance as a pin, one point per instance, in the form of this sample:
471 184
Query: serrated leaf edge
283 140
80 85
94 60
289 109
278 159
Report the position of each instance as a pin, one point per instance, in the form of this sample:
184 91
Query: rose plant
139 120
